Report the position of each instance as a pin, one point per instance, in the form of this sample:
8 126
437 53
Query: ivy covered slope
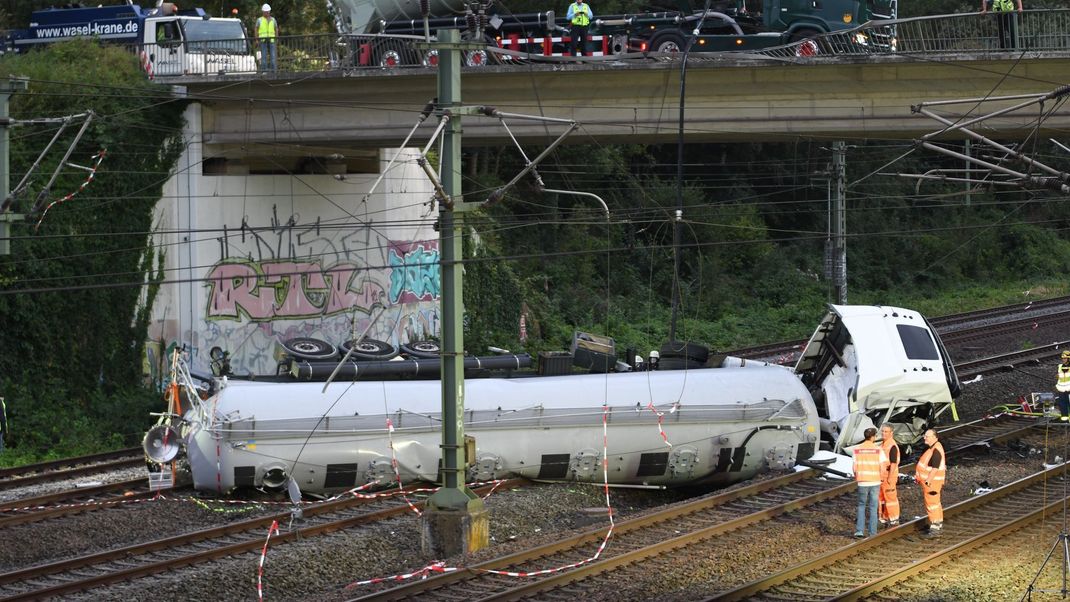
73 350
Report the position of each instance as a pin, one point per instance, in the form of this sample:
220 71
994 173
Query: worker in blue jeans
267 35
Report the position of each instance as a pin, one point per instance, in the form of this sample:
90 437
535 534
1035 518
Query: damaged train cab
869 365
717 424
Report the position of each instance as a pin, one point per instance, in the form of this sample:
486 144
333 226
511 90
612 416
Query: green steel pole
449 97
7 88
456 520
453 495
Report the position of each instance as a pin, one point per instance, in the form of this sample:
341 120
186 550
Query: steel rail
1000 429
950 337
71 581
998 532
800 581
67 462
73 501
1010 361
59 475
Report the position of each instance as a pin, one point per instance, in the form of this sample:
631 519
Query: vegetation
75 357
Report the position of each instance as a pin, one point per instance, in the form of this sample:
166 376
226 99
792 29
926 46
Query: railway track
788 349
31 474
1045 354
895 554
139 560
72 501
663 532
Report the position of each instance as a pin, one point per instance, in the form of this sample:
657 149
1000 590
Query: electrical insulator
425 7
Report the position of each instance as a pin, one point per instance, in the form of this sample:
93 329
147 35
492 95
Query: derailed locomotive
717 424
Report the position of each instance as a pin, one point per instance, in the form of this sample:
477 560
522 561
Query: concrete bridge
847 89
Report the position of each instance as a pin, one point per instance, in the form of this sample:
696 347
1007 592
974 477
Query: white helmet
266 8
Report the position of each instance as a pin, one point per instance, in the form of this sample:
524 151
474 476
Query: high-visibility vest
933 475
1002 6
1063 384
581 14
891 474
265 29
869 459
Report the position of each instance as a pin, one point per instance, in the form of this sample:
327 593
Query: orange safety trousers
889 501
933 508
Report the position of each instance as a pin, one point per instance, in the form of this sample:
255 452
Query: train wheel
371 349
309 349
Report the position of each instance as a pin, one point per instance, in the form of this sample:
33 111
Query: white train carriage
720 426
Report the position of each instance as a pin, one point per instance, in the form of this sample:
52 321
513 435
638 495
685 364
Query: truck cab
191 45
170 41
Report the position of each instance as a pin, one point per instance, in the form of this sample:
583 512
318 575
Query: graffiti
414 274
281 280
287 289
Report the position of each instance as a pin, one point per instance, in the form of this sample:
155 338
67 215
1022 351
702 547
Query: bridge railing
293 54
1033 30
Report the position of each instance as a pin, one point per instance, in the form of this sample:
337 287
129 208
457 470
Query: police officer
1062 386
579 15
1005 19
267 33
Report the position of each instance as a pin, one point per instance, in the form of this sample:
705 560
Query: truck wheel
668 42
371 349
422 349
803 34
305 348
391 54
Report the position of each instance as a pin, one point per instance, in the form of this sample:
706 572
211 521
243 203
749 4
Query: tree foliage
79 349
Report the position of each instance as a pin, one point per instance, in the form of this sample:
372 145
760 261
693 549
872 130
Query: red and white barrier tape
394 465
438 567
92 173
661 418
274 528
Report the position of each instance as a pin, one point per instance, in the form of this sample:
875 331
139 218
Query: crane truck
169 41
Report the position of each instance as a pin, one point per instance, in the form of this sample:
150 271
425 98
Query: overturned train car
715 425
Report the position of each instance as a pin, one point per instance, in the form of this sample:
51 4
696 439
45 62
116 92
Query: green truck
744 25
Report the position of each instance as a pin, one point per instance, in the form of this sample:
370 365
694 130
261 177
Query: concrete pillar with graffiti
265 248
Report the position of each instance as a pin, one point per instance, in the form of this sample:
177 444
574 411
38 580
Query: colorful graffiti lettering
414 274
274 290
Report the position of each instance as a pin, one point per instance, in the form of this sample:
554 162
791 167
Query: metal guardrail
966 33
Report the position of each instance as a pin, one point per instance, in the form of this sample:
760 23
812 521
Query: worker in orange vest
930 473
869 464
889 498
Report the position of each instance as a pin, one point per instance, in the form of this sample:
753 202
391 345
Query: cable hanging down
97 158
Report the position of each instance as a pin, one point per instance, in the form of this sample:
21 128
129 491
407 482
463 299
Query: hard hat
266 8
1066 355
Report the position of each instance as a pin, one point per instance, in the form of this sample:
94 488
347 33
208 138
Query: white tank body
723 424
357 14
